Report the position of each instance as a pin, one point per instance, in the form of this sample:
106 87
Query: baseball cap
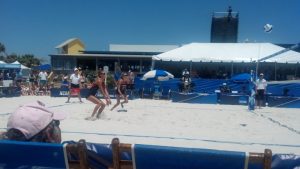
32 118
75 69
261 74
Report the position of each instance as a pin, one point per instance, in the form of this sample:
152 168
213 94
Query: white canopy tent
228 52
22 66
25 71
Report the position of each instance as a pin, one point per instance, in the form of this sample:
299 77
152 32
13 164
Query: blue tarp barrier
161 157
64 92
194 98
16 154
285 161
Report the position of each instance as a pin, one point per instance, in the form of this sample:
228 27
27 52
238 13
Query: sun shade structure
161 75
228 52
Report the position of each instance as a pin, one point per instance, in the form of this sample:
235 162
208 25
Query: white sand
159 122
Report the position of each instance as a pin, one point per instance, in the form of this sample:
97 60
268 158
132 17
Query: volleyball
268 28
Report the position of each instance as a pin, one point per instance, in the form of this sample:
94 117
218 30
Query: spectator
43 78
261 86
186 81
34 122
131 77
225 88
65 83
74 85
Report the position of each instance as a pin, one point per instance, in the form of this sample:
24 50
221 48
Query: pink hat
32 118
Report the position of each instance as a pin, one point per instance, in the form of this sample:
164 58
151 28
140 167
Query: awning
228 52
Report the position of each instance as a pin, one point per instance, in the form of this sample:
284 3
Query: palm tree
29 60
2 49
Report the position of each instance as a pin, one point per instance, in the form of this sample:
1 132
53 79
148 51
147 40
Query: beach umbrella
160 75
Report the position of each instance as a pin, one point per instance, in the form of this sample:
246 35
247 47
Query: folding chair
166 92
147 92
157 93
162 157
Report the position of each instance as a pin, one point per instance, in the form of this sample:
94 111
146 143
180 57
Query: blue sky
37 26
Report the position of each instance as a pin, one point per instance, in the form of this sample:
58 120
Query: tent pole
257 61
191 66
141 66
152 64
231 69
275 65
296 65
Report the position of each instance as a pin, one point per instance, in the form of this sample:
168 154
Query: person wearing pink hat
34 122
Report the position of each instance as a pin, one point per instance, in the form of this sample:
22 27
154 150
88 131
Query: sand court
161 122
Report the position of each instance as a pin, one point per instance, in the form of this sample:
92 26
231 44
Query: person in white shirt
43 78
261 86
74 85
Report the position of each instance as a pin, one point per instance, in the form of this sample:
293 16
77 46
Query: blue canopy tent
241 78
42 67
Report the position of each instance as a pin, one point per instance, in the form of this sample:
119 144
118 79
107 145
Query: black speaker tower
224 27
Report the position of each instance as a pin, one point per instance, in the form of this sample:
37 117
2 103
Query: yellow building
70 46
137 58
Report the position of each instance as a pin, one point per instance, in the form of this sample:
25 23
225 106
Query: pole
275 71
152 64
257 61
191 66
231 69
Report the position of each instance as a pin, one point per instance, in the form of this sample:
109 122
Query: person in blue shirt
65 83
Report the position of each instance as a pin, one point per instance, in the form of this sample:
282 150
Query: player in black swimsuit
91 96
121 90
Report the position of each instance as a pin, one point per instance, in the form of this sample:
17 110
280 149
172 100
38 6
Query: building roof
67 42
228 52
121 53
141 48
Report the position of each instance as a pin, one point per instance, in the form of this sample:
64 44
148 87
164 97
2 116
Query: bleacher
203 91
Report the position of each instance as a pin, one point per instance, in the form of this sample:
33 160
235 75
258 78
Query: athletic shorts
74 86
260 94
43 82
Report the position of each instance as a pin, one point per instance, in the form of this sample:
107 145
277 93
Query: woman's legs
118 102
125 100
79 96
69 96
99 105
